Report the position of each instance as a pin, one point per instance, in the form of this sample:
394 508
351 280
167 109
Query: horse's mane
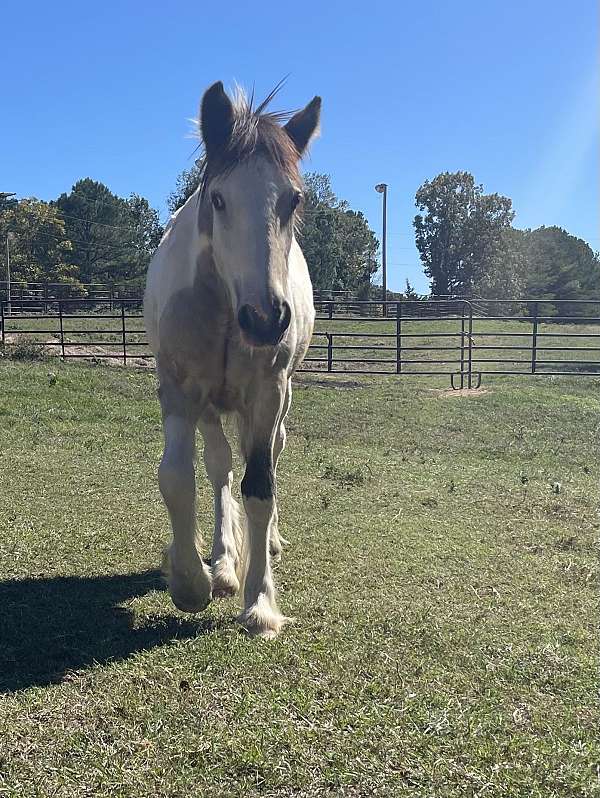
256 131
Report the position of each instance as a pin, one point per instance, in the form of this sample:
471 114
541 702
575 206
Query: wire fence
458 338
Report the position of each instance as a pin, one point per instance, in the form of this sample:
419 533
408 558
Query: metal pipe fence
457 338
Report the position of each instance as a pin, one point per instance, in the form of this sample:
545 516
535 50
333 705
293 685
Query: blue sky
507 90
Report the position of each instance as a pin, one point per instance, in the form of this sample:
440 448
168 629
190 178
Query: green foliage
7 200
467 246
40 249
409 291
88 235
338 244
113 238
185 185
505 274
559 265
547 263
24 350
459 232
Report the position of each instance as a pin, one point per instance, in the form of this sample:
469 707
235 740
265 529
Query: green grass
441 569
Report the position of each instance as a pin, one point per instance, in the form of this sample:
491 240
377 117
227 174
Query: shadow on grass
49 627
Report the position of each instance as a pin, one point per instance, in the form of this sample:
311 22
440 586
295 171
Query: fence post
462 346
399 337
124 332
534 335
329 351
470 350
62 332
2 320
330 310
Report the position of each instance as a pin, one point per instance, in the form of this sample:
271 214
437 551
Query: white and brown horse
229 315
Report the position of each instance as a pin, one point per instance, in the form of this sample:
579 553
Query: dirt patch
327 383
462 392
97 354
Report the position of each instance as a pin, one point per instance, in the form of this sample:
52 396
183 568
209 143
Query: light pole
382 188
9 237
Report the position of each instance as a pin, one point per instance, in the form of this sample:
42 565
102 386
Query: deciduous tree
459 232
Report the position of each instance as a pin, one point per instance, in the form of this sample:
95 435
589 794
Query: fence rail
458 338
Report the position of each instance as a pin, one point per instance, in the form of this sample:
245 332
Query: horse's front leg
259 427
276 542
228 542
187 576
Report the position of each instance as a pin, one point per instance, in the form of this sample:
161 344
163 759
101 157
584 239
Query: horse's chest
214 369
205 356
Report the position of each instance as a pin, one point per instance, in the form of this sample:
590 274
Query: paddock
445 634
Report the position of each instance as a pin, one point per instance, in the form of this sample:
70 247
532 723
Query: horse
229 315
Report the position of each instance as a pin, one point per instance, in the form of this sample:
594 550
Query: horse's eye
217 201
296 199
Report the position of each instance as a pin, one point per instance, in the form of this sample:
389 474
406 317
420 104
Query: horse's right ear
304 125
216 118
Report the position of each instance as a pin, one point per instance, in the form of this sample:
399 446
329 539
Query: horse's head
251 193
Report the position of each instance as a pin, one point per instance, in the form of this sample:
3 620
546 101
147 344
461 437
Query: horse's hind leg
187 576
228 542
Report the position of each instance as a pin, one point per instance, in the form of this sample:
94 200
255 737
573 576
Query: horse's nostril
247 318
264 330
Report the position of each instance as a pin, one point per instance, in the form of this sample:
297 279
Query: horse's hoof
188 603
224 580
190 591
262 619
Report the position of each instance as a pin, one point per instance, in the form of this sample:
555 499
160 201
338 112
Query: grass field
441 569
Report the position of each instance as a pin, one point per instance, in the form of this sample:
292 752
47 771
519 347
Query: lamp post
382 188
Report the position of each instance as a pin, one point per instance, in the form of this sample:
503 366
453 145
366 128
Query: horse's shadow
51 626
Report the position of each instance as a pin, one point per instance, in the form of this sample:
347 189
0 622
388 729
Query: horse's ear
304 125
216 118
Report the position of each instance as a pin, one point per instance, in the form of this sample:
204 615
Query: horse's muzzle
262 330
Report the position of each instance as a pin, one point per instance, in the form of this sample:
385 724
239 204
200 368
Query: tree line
468 247
465 238
88 235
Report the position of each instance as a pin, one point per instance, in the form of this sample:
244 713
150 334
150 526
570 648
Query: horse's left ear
216 118
304 125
